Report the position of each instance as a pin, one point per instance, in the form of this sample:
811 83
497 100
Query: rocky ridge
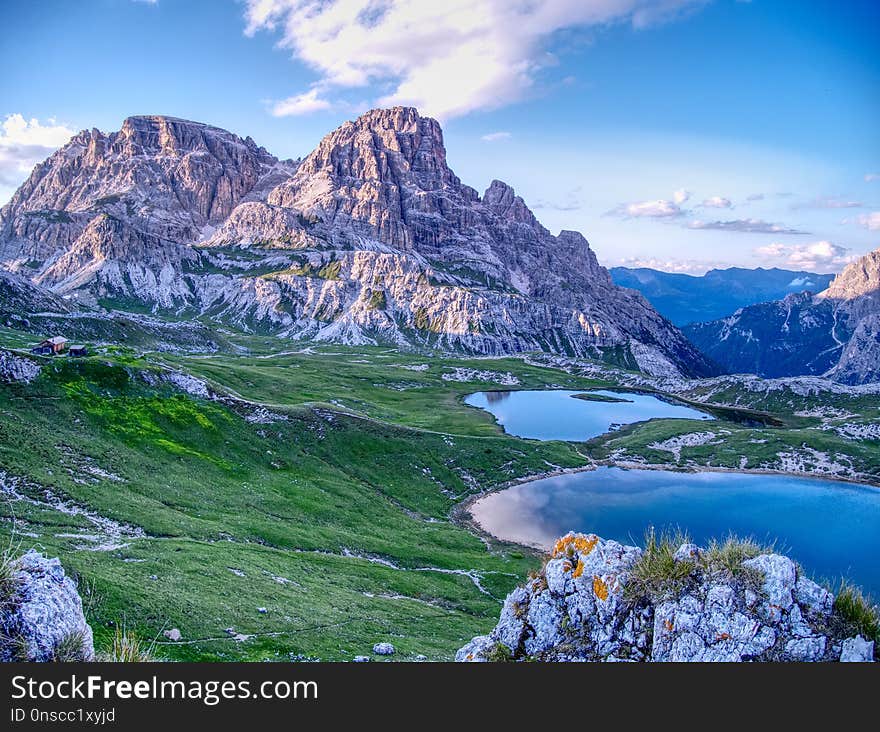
371 238
599 600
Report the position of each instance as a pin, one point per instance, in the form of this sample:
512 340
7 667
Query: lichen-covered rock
579 608
383 649
42 620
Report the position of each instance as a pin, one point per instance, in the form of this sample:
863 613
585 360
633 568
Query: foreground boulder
41 617
15 368
598 600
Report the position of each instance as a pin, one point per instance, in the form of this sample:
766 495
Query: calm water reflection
831 528
559 415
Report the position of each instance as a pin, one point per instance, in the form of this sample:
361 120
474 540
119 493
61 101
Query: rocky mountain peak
502 199
370 236
173 136
858 279
381 144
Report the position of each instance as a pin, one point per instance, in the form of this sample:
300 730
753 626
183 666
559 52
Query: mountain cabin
50 346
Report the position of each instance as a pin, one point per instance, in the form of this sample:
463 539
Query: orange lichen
585 544
570 543
668 625
600 588
579 570
722 636
566 566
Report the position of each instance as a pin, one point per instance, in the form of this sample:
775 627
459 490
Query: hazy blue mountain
834 333
684 298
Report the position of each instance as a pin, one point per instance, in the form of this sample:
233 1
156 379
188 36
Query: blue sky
677 133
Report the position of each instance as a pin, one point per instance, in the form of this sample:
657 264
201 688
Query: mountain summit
371 238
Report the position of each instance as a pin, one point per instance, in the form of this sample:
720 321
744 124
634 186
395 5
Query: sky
676 134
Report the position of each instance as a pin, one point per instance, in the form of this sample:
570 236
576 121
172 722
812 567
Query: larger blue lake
831 528
560 415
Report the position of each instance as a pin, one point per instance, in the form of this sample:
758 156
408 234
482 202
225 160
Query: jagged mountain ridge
372 237
834 333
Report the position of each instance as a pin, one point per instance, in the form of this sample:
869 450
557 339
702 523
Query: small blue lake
560 415
831 528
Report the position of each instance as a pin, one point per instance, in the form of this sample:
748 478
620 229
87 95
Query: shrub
500 653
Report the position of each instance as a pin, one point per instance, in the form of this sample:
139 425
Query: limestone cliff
370 238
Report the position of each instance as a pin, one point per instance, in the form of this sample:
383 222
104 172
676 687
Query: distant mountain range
835 333
369 239
685 299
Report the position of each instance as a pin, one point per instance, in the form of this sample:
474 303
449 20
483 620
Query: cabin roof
56 340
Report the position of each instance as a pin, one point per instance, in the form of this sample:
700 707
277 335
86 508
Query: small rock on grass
383 649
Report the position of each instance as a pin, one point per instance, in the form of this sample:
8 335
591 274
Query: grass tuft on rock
857 612
69 649
656 575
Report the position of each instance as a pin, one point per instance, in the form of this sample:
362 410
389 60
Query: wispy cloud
871 177
572 201
816 256
827 202
746 226
496 136
305 103
657 209
870 221
448 58
755 197
717 202
23 144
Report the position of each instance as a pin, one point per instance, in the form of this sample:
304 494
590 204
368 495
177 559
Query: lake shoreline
462 515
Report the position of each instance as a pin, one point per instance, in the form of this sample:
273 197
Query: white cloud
871 177
681 196
447 58
755 197
496 136
870 221
816 256
679 266
23 144
717 202
304 103
746 226
659 209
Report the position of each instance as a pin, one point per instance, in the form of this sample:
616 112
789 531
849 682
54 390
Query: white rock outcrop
14 368
42 616
590 603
